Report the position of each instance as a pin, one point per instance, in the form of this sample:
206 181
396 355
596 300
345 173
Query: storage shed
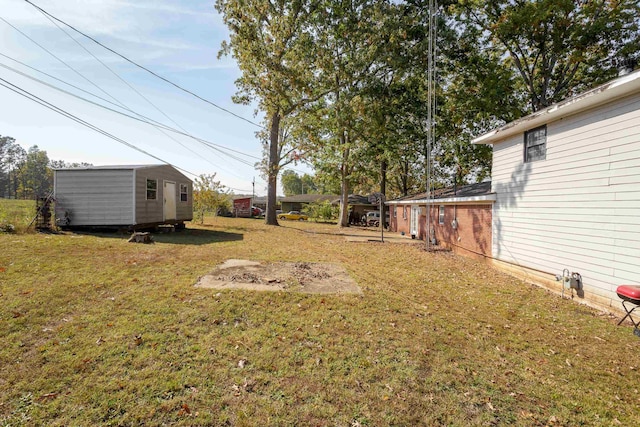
134 197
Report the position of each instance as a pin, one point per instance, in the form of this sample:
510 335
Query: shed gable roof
120 168
113 167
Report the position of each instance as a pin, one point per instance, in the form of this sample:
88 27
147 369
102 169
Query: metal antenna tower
431 108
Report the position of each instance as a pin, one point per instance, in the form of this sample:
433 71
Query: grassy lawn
98 331
18 213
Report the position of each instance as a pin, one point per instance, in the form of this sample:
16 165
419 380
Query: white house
567 185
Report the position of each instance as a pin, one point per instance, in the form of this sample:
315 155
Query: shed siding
95 197
151 211
578 209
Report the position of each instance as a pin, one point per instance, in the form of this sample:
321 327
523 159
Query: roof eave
449 200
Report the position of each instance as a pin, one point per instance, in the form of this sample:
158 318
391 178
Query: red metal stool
630 294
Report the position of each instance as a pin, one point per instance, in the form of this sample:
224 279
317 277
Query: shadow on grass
184 237
197 237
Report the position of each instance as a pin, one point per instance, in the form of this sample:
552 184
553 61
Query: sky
178 40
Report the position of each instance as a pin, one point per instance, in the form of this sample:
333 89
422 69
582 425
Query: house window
441 215
183 192
395 211
404 212
152 189
535 144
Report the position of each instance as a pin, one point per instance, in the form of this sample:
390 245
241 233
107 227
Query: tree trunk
344 185
273 169
405 178
344 201
383 177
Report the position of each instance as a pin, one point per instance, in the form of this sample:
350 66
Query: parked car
373 218
256 211
293 216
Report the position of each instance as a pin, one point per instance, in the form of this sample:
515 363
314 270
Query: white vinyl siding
579 208
95 197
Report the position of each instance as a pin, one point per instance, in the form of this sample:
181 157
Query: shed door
415 215
169 194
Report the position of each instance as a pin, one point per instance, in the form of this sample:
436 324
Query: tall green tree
351 37
35 177
272 42
12 158
293 184
557 47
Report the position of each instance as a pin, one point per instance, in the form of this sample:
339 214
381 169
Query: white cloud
185 66
160 7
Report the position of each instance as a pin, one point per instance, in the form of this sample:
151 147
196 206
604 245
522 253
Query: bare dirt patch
307 277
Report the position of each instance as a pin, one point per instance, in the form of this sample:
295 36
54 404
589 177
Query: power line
113 72
34 98
60 60
147 120
184 131
122 105
143 67
216 147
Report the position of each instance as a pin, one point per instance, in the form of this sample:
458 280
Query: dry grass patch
98 331
306 277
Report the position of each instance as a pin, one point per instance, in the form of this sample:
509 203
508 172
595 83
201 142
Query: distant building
242 207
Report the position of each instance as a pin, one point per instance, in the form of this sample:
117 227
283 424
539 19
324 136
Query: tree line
27 174
343 84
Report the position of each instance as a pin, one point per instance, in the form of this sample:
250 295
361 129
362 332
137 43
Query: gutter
449 200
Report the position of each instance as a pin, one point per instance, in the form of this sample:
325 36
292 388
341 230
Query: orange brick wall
398 222
473 234
471 238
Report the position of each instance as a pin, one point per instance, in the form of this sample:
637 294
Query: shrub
322 211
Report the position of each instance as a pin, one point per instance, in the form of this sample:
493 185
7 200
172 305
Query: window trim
441 214
404 212
527 158
185 192
154 190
